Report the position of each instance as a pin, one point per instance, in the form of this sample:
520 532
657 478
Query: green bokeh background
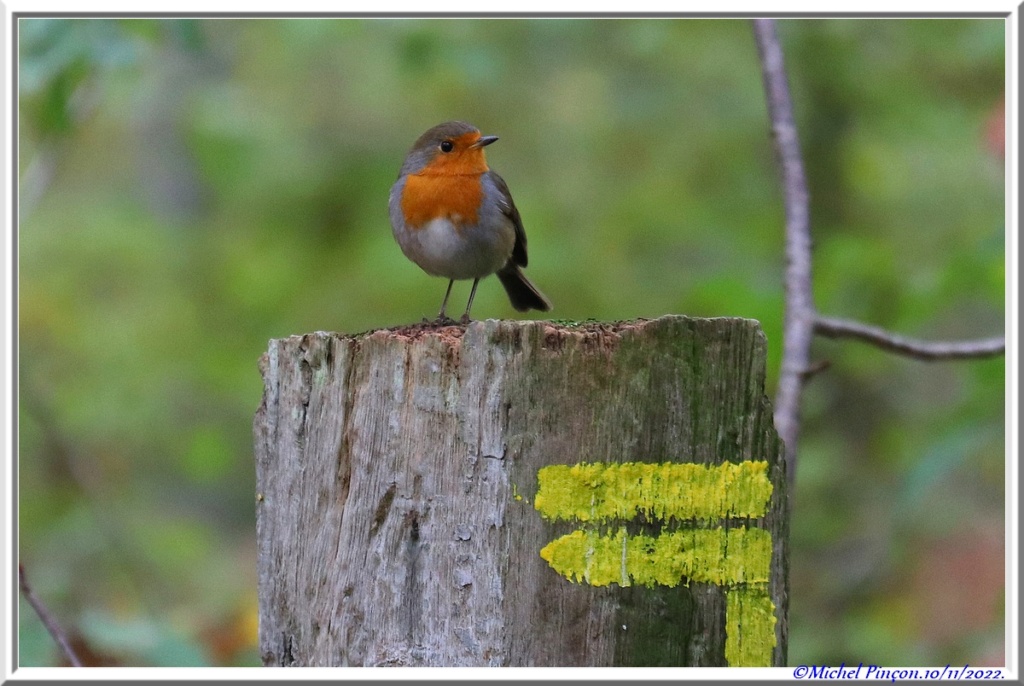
190 189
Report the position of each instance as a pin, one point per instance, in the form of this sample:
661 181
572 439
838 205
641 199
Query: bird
454 217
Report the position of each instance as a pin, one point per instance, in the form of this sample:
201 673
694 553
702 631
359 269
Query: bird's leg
441 318
472 294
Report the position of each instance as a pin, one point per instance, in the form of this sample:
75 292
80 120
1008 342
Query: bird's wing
508 208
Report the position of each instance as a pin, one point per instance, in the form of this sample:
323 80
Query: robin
454 217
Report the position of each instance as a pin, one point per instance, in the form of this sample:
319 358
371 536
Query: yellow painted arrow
738 558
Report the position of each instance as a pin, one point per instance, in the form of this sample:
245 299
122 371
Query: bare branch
802 320
831 327
800 313
49 621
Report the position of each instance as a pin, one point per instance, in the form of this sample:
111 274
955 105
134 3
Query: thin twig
816 368
831 327
48 620
800 313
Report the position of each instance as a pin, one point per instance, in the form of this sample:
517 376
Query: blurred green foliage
192 188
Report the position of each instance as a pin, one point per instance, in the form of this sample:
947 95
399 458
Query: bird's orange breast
430 196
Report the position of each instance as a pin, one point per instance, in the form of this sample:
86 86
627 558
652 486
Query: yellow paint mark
515 493
749 627
717 556
737 558
601 491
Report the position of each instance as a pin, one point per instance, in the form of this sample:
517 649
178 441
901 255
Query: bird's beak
484 140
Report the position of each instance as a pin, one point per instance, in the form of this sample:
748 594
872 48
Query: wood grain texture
397 471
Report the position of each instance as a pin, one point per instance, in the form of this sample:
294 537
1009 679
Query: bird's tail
523 294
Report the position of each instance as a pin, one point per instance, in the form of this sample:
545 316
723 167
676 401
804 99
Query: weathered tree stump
521 494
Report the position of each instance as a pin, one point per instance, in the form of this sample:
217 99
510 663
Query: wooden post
521 494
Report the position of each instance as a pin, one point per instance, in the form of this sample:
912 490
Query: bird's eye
447 146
